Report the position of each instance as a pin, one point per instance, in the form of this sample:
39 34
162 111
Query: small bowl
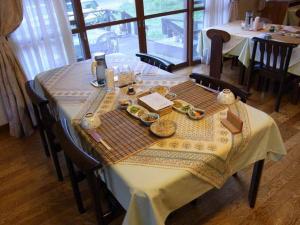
149 118
171 96
196 114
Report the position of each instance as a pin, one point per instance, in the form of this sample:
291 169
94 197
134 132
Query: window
168 28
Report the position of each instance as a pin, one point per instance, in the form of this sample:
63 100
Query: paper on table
156 101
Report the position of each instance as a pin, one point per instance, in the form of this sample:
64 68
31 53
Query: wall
245 5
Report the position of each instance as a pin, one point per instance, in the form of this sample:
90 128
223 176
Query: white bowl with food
149 118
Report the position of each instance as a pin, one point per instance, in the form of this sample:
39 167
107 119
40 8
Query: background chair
45 122
275 11
218 37
106 206
219 85
156 61
273 63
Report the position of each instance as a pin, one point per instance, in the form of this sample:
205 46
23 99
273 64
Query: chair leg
44 142
74 184
278 99
242 74
95 187
256 175
56 164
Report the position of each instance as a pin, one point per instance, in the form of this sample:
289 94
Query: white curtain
44 39
216 12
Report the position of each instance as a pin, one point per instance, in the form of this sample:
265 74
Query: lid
99 56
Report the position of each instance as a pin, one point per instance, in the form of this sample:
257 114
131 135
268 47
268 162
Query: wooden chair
218 37
273 63
45 122
104 203
219 85
156 61
275 11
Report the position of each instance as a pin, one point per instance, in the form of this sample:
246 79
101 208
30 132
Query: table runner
204 147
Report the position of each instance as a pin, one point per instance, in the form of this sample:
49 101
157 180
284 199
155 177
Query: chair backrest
156 61
274 55
218 37
40 106
219 85
80 158
275 11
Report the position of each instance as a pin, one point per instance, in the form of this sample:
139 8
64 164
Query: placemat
124 134
198 97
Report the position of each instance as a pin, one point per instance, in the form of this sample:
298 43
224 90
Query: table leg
256 175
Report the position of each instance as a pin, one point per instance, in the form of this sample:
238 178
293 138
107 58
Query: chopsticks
97 137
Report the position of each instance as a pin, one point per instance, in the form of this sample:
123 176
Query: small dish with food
137 111
163 128
196 114
182 106
149 118
171 96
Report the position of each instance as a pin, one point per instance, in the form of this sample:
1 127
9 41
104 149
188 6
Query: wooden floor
31 195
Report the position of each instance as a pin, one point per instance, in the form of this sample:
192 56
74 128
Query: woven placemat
198 97
124 135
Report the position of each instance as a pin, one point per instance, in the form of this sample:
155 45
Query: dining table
148 175
241 44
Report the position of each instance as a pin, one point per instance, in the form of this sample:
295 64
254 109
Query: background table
240 45
291 18
149 194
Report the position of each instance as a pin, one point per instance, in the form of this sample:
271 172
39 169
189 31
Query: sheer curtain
44 40
216 12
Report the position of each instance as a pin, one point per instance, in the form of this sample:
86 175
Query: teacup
226 97
90 121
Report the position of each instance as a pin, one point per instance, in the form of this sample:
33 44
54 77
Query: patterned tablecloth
240 45
201 155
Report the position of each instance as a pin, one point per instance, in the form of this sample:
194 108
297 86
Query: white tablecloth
150 194
240 45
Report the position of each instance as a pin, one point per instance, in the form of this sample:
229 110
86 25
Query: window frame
81 28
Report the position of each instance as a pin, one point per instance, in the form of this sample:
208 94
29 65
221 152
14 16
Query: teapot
90 121
226 97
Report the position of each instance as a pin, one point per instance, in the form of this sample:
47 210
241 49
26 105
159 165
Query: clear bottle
100 68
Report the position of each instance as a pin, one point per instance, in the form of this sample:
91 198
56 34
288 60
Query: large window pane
198 25
119 38
166 37
103 11
159 6
78 47
70 13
